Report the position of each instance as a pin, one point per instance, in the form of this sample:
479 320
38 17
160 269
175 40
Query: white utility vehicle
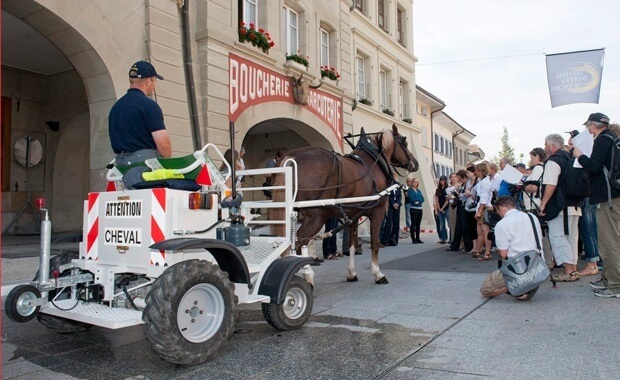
177 261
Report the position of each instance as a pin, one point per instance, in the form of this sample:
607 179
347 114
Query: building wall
36 99
102 38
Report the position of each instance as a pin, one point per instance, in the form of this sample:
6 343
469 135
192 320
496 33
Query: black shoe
419 241
346 253
358 252
318 260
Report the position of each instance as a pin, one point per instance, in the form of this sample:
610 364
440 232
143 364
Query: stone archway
79 101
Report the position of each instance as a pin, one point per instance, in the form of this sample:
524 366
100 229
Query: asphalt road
429 322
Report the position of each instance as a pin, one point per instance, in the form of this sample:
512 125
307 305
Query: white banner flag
575 77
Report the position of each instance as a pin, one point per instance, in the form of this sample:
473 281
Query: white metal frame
259 255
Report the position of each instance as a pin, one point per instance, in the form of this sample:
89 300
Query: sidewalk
20 256
429 322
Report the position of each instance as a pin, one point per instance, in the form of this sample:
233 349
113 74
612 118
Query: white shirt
495 182
536 175
484 191
514 233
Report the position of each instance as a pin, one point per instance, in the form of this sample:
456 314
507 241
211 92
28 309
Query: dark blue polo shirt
132 120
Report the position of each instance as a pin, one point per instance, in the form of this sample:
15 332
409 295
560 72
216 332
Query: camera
474 205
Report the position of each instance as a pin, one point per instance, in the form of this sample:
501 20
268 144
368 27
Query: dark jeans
416 221
588 232
330 244
391 227
440 220
459 229
470 234
126 159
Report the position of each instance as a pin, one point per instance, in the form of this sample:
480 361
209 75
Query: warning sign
123 236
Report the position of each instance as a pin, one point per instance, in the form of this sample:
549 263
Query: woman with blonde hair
484 192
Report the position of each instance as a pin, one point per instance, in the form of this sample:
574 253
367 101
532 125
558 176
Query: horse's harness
379 158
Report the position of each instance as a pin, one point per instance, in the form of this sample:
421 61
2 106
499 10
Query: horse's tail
278 213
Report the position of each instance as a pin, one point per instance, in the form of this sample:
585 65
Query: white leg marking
351 265
376 272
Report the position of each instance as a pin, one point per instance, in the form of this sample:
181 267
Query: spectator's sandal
527 296
484 258
474 254
567 277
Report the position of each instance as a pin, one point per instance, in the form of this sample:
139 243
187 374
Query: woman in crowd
469 199
459 206
440 206
531 200
452 194
416 199
484 192
532 195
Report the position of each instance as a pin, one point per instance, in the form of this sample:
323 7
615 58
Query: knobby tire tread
160 313
275 316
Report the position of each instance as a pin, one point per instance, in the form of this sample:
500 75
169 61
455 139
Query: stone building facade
212 78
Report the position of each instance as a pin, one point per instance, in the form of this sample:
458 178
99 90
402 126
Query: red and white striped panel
92 237
158 222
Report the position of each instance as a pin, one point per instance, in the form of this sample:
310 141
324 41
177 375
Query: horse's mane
387 140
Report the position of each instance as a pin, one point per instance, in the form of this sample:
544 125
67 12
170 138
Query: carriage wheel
18 305
295 310
189 312
52 322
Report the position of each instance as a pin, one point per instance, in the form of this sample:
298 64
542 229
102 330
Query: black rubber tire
162 309
295 310
14 302
62 325
58 260
52 322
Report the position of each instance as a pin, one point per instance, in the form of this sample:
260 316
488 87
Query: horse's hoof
382 281
354 279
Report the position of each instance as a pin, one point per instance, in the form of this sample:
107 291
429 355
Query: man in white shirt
563 232
513 235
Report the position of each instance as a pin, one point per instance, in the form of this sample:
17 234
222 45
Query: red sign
252 84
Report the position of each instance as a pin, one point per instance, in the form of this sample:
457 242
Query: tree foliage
507 150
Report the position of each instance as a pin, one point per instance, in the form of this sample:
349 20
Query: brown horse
322 174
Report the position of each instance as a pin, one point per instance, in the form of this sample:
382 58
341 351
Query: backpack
574 182
612 175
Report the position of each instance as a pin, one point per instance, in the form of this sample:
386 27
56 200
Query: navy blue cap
143 69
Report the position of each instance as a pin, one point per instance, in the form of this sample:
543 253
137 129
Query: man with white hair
563 221
606 199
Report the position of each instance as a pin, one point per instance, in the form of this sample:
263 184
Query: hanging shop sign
252 84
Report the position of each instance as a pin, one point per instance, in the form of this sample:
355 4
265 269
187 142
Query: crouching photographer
514 238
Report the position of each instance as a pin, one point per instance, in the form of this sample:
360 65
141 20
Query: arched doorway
263 140
61 91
